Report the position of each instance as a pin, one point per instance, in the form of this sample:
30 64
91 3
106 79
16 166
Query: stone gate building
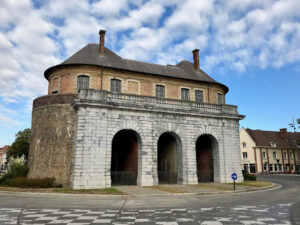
108 120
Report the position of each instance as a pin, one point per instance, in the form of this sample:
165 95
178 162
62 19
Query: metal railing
123 177
205 176
166 177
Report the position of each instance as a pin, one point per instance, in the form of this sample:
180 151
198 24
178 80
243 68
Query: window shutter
199 96
185 94
83 82
160 91
115 85
220 98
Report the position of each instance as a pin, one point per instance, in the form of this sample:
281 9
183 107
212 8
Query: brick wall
64 80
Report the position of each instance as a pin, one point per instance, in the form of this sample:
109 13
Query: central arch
169 158
206 149
124 157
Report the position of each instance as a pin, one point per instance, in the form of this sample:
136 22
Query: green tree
21 144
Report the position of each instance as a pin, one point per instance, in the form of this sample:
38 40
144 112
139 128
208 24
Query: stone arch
124 125
207 158
169 157
126 148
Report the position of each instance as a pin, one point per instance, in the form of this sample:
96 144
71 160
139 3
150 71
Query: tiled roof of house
89 55
5 148
282 139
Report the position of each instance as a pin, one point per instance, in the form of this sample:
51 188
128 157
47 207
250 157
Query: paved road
280 206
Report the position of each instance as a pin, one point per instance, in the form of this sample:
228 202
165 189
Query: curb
41 194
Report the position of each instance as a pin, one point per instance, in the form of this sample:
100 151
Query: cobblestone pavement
261 214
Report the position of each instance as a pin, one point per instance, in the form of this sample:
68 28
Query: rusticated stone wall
52 138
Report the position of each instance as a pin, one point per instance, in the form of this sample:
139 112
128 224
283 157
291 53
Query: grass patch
104 191
211 186
255 184
168 189
18 189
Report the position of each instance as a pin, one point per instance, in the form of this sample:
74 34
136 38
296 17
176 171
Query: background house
270 151
3 155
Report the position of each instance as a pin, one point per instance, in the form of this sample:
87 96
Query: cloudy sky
252 46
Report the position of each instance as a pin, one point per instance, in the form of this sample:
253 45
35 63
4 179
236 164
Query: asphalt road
278 206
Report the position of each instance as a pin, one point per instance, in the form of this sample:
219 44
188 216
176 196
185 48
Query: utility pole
292 125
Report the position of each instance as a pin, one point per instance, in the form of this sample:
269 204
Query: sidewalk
177 189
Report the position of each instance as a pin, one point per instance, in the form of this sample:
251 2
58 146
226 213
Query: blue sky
252 46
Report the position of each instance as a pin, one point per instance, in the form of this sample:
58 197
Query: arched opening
124 158
206 148
168 156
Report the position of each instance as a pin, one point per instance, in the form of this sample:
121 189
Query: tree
21 144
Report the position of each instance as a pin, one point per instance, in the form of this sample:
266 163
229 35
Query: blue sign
234 176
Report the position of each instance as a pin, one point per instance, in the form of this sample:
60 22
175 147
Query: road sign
234 176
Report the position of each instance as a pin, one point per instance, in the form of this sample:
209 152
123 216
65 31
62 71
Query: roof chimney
196 59
101 43
283 131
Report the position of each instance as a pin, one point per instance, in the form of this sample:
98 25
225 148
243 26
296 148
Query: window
287 167
115 85
291 155
280 167
252 168
185 94
83 82
245 155
271 167
54 92
273 144
275 167
198 96
274 155
244 144
245 166
220 98
264 154
285 155
265 166
292 166
160 91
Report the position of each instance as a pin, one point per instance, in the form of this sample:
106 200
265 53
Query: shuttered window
83 82
220 98
185 94
115 85
199 96
160 91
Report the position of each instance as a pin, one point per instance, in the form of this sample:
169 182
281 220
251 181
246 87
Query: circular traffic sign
234 176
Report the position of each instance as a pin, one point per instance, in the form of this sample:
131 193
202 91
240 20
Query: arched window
83 82
115 85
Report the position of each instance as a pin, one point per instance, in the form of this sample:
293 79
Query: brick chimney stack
101 43
196 59
283 131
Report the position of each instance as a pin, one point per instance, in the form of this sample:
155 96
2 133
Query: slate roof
282 139
89 55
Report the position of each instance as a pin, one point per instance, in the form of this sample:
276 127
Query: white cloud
232 35
6 120
105 8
